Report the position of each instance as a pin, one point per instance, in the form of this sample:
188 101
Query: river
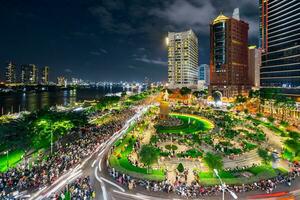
30 101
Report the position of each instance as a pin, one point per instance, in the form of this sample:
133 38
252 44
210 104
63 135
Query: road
95 166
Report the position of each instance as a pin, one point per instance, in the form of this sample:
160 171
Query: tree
293 145
213 161
148 155
185 91
264 154
240 99
180 168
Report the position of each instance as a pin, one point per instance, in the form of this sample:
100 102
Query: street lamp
51 142
224 187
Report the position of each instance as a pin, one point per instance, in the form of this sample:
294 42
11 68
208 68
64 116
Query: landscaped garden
197 142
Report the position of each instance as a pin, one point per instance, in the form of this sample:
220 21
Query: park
189 144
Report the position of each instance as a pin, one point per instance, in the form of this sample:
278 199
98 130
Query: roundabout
179 154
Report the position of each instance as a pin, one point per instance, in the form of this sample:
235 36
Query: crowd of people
196 190
66 155
80 189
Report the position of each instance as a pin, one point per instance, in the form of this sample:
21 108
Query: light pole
224 187
51 142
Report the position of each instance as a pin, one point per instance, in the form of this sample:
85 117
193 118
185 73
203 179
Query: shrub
294 135
284 123
264 154
213 161
171 147
180 168
271 119
259 114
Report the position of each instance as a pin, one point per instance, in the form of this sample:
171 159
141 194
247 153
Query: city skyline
74 39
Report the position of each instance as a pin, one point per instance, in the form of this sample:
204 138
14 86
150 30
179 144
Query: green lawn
196 125
119 161
13 158
259 172
272 127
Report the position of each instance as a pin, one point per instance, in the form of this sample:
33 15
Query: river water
30 101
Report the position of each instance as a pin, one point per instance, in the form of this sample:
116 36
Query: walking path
273 140
244 160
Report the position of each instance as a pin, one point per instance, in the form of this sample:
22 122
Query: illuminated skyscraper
29 74
34 74
61 81
229 55
10 73
45 75
182 59
280 41
25 74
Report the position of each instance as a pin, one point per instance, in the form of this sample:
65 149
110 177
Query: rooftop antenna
236 14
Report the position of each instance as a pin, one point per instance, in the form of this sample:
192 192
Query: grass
271 126
119 160
259 172
14 158
196 125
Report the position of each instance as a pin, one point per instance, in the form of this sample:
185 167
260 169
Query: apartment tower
182 59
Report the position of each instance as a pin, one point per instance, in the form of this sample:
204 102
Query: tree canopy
213 161
148 154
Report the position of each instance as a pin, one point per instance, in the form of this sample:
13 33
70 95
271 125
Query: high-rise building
45 76
280 41
34 74
229 55
254 63
10 74
204 73
25 74
29 74
182 59
61 81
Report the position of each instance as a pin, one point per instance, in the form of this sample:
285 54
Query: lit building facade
61 81
10 74
204 73
254 64
29 74
280 41
25 74
182 59
229 56
45 76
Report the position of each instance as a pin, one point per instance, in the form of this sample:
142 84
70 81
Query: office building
61 81
33 74
204 73
10 74
229 56
254 63
29 74
45 76
25 74
182 59
280 41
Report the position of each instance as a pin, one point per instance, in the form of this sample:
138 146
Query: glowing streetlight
224 187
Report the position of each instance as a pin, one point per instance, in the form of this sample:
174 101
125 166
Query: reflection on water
31 101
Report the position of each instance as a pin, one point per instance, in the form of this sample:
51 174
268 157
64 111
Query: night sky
108 40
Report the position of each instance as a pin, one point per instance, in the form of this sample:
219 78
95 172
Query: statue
166 95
